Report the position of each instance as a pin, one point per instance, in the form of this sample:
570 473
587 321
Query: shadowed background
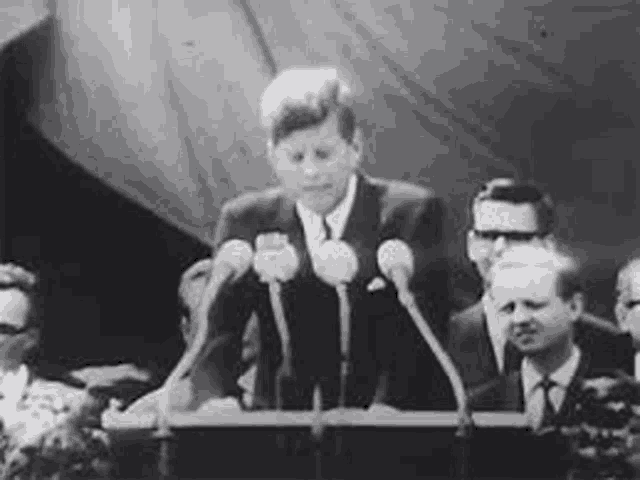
127 124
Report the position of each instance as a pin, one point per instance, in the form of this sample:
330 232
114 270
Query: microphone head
237 254
336 262
276 263
393 254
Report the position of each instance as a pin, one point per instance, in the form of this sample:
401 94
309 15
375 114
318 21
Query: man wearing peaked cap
315 148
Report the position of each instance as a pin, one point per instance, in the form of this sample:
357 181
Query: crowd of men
527 340
519 348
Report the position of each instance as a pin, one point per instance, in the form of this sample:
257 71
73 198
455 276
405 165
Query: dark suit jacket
471 350
505 393
387 351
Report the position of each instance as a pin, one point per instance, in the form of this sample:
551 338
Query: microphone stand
345 340
285 370
317 430
163 432
345 347
465 421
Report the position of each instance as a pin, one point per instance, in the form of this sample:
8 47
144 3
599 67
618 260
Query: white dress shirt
312 222
13 384
534 394
497 330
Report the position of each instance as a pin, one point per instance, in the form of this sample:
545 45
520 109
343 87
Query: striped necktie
327 229
549 412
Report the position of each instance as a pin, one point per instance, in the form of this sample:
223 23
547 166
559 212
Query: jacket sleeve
415 379
220 362
431 282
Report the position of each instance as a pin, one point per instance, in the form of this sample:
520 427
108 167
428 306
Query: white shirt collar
562 376
497 331
13 384
337 219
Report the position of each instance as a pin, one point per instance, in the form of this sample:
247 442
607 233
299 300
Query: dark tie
549 412
327 229
512 358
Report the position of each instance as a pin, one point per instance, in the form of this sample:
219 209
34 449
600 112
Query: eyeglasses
7 329
511 236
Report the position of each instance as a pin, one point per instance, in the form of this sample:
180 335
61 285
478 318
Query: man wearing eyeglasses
505 214
35 412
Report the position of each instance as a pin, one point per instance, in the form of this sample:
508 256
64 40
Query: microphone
396 262
276 261
336 263
231 262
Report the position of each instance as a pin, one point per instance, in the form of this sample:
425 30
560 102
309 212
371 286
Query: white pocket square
376 284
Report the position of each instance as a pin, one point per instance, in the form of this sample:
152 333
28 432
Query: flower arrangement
50 435
603 429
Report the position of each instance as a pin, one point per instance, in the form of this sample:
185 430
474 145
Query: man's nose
520 315
309 168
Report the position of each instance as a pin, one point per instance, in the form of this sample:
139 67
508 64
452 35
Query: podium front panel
354 445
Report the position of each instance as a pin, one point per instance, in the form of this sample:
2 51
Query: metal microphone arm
276 261
222 271
336 263
408 301
396 262
345 341
465 420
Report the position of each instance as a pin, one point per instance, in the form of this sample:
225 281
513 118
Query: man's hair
623 283
13 276
302 98
509 191
558 260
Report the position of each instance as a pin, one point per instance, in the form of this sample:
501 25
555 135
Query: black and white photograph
323 240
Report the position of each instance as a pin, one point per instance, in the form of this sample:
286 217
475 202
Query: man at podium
330 321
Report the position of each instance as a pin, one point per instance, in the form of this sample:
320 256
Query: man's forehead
325 134
634 282
522 281
14 306
505 216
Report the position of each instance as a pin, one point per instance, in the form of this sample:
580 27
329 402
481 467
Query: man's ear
470 247
357 146
576 305
549 242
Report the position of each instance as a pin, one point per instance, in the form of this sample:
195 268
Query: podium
353 445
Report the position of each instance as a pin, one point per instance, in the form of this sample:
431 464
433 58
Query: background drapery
158 99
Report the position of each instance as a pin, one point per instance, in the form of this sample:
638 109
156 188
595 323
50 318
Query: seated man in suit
505 213
187 391
37 413
315 148
538 295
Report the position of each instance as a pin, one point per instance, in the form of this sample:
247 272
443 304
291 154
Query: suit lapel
573 391
514 392
488 361
361 229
